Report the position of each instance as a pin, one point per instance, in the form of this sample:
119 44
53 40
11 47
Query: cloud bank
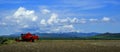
23 20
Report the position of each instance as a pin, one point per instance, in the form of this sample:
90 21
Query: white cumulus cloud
23 13
93 20
106 19
45 11
68 26
43 22
24 19
83 20
53 18
64 28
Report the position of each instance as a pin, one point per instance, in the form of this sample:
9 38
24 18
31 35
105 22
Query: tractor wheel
32 40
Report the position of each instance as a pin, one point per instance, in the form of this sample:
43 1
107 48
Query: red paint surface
29 37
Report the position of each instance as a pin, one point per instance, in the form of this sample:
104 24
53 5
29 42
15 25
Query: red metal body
28 37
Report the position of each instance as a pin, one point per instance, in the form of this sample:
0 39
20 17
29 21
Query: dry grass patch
64 46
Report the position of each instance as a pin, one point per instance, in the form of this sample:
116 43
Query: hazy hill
57 35
66 35
72 35
107 36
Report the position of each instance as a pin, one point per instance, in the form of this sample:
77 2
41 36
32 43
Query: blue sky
59 16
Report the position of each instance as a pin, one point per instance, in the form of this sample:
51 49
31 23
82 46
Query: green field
63 46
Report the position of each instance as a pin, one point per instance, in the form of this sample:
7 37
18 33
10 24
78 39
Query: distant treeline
107 36
103 36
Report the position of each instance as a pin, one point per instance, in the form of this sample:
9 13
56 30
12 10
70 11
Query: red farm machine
28 37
